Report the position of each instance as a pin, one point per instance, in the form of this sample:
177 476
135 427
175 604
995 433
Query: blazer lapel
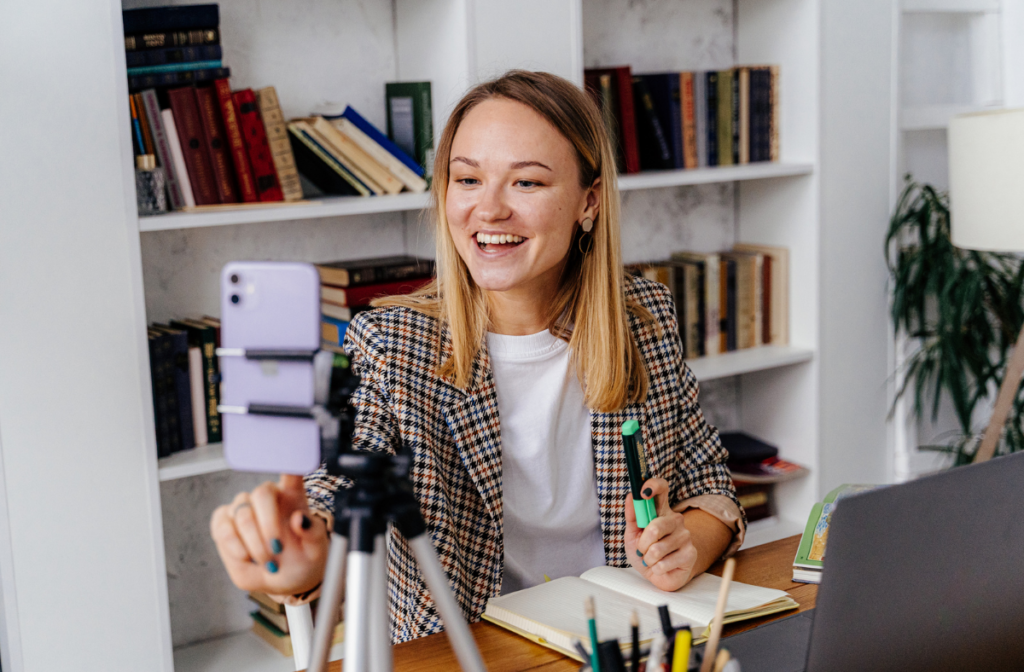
472 417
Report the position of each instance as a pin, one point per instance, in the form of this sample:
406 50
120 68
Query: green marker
636 465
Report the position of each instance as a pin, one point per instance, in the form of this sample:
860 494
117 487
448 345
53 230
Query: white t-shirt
551 515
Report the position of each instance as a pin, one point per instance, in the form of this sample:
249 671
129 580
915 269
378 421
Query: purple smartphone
274 306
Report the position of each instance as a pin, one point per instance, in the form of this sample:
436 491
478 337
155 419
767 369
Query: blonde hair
590 308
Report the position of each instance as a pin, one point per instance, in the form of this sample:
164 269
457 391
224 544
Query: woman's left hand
663 551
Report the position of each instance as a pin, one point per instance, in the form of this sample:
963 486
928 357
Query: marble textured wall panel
658 35
720 401
319 54
181 268
204 603
657 222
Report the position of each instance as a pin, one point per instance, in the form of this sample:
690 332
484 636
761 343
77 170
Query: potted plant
964 310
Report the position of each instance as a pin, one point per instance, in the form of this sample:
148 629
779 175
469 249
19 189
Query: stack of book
185 379
675 120
810 555
270 623
756 467
172 46
726 301
347 287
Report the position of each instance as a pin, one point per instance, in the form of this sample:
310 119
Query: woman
509 379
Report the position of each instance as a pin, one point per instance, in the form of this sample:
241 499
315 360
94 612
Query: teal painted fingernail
272 567
639 554
275 546
643 561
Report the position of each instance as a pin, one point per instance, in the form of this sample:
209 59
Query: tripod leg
380 622
330 600
357 611
454 623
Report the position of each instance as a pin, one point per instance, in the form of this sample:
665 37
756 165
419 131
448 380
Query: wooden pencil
711 649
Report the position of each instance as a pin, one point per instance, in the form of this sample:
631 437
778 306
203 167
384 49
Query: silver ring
234 511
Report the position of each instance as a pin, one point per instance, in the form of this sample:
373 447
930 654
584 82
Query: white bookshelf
194 462
233 653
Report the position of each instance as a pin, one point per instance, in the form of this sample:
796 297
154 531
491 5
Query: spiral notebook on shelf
551 613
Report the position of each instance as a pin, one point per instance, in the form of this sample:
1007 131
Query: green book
725 117
810 555
411 121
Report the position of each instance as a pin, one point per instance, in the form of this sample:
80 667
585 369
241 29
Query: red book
623 82
361 296
255 137
216 144
193 145
689 110
233 132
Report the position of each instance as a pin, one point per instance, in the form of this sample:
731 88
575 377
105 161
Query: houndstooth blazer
456 441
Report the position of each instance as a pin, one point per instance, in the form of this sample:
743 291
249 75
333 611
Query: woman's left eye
527 183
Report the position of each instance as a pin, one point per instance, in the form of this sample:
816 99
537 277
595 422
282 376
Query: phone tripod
381 495
357 564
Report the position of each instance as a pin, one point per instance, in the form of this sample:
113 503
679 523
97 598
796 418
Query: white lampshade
986 180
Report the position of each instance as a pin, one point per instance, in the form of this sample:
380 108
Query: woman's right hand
269 542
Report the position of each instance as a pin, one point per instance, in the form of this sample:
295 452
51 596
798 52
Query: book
184 54
204 337
712 301
774 149
332 330
374 133
170 17
778 283
688 123
625 113
551 614
711 115
362 295
743 115
190 136
319 166
734 100
147 134
198 398
724 117
266 602
254 135
162 146
756 500
342 313
405 175
173 67
177 159
690 307
727 304
359 162
810 555
665 95
748 297
358 272
182 387
159 345
655 153
233 133
410 120
700 117
171 38
770 470
217 144
278 620
281 641
280 145
166 79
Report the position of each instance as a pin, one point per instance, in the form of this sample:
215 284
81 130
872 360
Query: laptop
923 576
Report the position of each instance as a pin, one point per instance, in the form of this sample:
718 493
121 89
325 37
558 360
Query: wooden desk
770 565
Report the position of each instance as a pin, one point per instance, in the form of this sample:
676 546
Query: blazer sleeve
701 481
376 427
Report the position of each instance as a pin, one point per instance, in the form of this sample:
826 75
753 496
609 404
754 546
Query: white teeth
497 238
504 239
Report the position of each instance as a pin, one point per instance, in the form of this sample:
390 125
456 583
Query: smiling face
514 198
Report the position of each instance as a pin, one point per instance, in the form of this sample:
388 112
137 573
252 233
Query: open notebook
551 614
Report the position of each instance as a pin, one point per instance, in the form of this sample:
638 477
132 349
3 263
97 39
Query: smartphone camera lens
234 278
235 298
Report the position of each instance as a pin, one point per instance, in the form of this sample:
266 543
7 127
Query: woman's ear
593 201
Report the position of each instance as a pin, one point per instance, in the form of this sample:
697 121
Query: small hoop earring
587 225
585 243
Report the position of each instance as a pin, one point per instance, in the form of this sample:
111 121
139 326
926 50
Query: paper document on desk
551 613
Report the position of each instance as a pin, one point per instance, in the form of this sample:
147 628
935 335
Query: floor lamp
986 198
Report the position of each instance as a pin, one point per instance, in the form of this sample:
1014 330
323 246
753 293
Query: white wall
855 153
75 418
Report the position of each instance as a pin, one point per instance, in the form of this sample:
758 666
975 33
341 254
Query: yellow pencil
681 655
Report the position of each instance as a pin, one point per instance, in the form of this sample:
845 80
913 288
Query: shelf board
240 652
340 206
205 460
747 361
336 206
750 171
934 117
770 529
950 6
